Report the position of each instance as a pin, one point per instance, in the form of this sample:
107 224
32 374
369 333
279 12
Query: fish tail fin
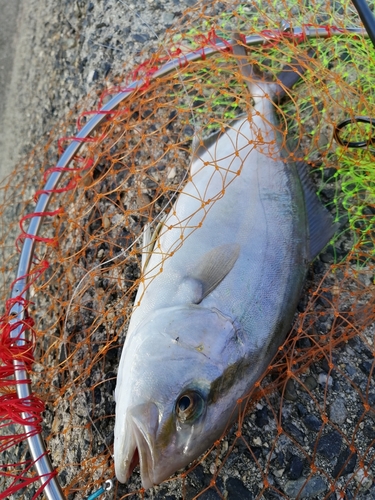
292 73
286 79
253 77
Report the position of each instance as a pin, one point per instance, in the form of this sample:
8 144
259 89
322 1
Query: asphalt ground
9 34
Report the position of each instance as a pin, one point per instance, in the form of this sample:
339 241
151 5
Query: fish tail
253 77
286 79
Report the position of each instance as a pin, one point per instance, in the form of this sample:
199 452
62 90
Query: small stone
236 489
302 489
290 393
172 173
296 433
338 412
310 383
324 379
329 445
257 441
294 468
340 469
302 410
210 494
141 38
261 417
363 479
366 367
279 472
313 423
106 222
92 76
168 17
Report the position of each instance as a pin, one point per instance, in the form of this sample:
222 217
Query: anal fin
320 221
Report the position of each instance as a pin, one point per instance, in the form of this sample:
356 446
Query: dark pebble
304 343
211 494
350 370
188 130
318 266
313 423
340 468
298 489
371 399
366 367
369 432
237 490
329 445
290 393
296 433
328 174
328 194
261 417
325 299
294 468
141 38
326 257
197 476
161 495
368 210
106 68
302 410
311 383
272 495
256 451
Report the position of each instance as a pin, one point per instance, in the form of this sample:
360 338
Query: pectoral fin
213 267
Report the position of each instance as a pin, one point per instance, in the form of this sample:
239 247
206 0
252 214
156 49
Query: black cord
367 17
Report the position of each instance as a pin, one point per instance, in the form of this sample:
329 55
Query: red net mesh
307 428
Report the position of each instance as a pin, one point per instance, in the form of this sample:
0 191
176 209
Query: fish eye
189 406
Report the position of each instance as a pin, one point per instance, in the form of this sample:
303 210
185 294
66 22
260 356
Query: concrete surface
9 17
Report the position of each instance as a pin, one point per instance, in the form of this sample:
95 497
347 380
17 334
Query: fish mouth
138 444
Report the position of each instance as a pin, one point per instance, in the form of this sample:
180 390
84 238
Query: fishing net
307 429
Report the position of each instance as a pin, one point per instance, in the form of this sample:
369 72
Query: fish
222 277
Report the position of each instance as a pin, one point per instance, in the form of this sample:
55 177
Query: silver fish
221 281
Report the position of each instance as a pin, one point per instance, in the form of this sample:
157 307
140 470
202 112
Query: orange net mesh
307 429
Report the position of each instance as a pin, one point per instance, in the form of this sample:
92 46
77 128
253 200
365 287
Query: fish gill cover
308 427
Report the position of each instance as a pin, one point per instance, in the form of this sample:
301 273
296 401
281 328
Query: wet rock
311 383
